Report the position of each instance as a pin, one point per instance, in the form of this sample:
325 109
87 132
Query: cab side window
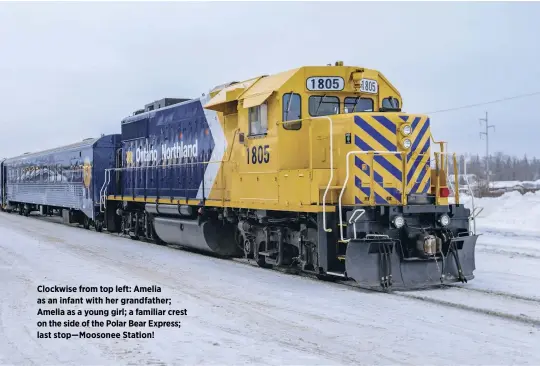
292 111
258 120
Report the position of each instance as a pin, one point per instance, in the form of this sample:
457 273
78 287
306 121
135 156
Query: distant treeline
503 167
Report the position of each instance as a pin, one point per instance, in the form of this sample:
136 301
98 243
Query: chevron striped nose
383 177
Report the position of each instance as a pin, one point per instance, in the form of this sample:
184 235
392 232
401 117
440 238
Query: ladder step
341 257
269 253
335 274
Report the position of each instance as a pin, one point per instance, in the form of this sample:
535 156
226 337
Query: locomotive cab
335 137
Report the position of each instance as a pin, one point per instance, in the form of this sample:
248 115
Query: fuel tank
211 236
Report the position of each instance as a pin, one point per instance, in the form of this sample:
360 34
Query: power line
484 103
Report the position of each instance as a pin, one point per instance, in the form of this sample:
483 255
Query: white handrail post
347 179
331 137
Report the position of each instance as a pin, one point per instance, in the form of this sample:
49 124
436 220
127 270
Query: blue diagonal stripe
404 118
428 186
379 159
415 123
374 133
377 178
379 199
389 167
419 137
419 180
358 184
395 193
390 126
413 168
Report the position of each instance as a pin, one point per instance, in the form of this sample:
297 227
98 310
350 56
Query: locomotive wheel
86 223
98 225
261 262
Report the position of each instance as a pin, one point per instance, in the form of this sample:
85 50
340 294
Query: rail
474 212
455 171
104 188
354 218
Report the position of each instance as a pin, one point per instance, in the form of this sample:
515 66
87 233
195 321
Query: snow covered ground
510 214
238 314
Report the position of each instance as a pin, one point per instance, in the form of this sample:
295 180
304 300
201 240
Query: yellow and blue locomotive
315 168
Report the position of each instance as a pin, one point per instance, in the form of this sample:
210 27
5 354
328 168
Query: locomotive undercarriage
374 252
278 239
268 238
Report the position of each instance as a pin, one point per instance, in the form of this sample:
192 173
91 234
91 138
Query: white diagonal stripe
220 146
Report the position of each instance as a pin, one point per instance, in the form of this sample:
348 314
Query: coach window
357 104
323 105
292 111
258 120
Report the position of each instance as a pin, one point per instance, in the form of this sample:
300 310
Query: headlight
406 143
398 221
406 130
444 219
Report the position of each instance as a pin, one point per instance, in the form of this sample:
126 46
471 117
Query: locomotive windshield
390 104
357 104
322 105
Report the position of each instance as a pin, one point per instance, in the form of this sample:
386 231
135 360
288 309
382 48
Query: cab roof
255 91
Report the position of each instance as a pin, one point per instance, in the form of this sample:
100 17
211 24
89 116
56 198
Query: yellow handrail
456 181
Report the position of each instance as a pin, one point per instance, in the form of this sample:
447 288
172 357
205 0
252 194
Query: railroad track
496 293
423 295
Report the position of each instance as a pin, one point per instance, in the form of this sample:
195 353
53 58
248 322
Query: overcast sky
69 71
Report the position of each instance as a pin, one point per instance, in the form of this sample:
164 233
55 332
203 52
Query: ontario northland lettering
175 151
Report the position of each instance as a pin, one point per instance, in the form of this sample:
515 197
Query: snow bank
515 183
510 213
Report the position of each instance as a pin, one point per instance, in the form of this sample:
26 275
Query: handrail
473 211
347 173
362 212
331 138
103 190
456 180
456 193
441 143
438 159
107 180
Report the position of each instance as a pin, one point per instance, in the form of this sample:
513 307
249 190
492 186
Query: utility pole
487 143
